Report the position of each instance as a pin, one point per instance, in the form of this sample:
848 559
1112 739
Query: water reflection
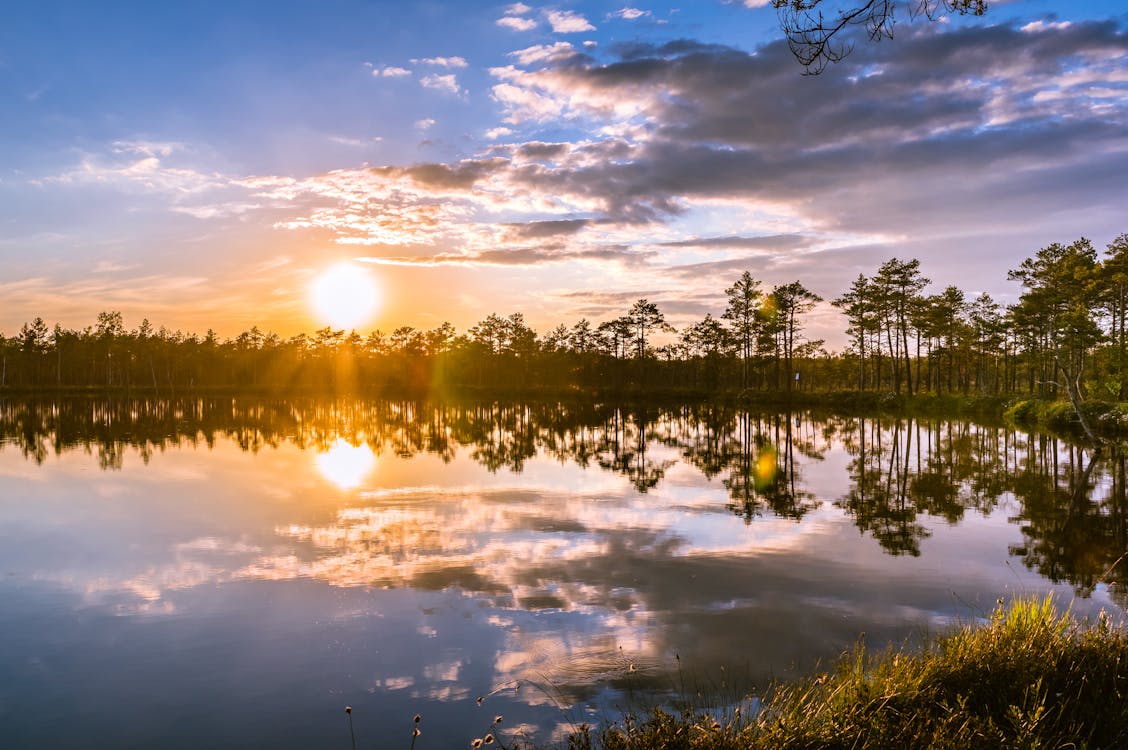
901 473
535 552
344 464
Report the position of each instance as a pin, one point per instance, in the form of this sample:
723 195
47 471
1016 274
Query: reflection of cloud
198 562
561 659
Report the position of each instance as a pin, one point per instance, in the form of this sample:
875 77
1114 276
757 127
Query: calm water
224 573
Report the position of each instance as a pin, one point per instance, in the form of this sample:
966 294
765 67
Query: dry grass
1028 678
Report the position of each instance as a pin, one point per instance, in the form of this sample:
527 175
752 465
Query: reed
1029 677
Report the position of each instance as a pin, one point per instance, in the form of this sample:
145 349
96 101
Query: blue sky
198 164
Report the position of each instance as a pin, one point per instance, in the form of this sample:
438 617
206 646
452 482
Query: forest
1065 337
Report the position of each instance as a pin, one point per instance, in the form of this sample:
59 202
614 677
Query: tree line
1066 336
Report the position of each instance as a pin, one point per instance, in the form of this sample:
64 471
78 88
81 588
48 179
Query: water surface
219 572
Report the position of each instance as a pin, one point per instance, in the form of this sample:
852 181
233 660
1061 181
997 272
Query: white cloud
567 22
442 62
447 83
425 124
218 210
147 148
345 140
1036 26
495 133
544 53
628 14
391 71
107 266
518 9
755 3
516 24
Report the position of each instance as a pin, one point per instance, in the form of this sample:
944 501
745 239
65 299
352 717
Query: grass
1029 677
1106 418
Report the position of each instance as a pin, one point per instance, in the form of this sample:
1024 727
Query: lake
222 572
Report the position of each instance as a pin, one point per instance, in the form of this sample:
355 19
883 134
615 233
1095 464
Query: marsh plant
1027 677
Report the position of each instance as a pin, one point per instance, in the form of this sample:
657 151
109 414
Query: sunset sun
344 296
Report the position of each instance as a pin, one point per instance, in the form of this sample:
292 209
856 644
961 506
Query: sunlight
344 295
346 465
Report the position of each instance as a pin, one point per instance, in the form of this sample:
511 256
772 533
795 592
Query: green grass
1109 419
1028 678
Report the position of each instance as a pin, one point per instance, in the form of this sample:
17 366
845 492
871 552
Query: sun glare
346 465
344 295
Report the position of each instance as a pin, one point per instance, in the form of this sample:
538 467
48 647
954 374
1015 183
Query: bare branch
814 37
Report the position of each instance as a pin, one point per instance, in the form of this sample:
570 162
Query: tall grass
1029 677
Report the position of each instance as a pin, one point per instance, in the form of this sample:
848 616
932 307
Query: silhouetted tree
814 27
744 316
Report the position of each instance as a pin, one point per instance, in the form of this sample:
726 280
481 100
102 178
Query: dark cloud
539 229
767 242
462 175
941 135
538 151
927 123
543 254
521 256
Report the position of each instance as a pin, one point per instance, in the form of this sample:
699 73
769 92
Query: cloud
628 14
161 149
542 53
688 160
542 229
771 242
391 71
442 62
567 22
216 210
344 140
141 165
499 132
516 23
106 266
516 256
425 124
447 83
1042 25
518 9
701 129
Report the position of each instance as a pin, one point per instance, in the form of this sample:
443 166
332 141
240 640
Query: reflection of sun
346 465
344 295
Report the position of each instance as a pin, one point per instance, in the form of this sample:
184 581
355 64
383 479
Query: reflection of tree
624 451
765 472
503 436
903 469
1073 517
878 497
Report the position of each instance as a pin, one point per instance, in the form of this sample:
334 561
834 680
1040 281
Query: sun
346 465
344 295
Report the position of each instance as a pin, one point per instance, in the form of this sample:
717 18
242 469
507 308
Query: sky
202 164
